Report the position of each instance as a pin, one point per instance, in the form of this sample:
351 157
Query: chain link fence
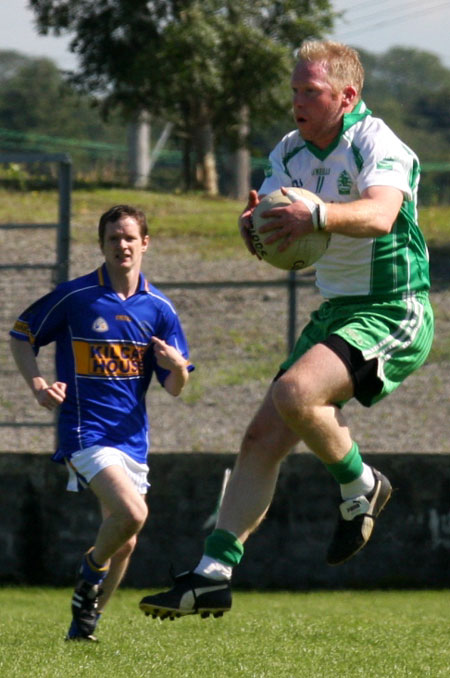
33 258
239 330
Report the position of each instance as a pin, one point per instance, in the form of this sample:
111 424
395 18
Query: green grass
267 635
188 224
435 223
203 219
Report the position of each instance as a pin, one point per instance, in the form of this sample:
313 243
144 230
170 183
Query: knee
135 517
140 515
291 399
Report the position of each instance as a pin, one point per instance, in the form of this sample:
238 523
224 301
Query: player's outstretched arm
169 358
47 396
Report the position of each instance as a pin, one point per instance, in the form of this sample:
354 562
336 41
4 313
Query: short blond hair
342 62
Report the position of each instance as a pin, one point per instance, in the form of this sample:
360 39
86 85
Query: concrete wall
44 529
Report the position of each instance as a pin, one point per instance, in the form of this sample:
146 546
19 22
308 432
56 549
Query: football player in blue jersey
113 331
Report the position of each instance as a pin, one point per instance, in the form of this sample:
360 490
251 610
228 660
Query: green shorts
396 333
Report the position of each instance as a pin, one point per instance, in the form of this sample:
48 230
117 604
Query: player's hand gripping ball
304 251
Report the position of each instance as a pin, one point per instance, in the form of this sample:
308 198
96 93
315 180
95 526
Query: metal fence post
63 233
292 310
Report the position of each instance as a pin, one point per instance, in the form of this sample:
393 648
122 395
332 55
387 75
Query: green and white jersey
366 153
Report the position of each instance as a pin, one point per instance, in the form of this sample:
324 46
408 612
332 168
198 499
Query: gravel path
237 337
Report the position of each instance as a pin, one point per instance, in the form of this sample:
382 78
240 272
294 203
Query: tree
36 98
409 89
139 132
410 72
196 63
126 49
435 111
259 40
10 62
39 110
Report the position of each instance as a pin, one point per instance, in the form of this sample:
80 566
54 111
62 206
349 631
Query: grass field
195 239
267 635
170 215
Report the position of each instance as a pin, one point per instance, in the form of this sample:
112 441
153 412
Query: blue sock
91 571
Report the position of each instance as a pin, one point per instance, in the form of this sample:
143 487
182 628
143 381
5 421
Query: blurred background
175 106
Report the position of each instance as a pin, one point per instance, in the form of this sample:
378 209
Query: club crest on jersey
268 170
100 325
344 183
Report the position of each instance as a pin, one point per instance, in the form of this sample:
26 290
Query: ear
145 243
349 95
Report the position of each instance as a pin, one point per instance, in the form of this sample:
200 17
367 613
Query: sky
378 25
375 25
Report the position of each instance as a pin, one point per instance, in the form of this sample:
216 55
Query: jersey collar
358 113
104 280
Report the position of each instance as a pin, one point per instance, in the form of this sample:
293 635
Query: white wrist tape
318 210
323 216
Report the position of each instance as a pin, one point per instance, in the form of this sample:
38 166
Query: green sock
224 546
349 468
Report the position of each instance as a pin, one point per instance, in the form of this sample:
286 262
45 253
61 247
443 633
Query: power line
362 5
392 20
374 15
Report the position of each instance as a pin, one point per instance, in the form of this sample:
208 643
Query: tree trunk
186 162
206 171
242 168
139 150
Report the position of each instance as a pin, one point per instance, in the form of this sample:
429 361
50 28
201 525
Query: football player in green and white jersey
373 329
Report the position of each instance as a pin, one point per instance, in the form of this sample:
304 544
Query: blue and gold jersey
105 356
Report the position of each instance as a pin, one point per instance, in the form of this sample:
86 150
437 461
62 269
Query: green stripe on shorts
397 332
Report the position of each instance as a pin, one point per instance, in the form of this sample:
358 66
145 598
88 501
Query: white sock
362 485
213 569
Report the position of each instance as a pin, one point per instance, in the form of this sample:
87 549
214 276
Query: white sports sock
362 485
213 569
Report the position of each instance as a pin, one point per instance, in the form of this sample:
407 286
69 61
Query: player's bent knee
134 518
291 400
140 515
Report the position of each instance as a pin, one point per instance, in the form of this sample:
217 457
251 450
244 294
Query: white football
304 251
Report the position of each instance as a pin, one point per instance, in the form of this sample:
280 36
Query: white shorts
85 464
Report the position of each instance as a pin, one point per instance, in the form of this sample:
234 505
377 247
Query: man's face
317 109
123 245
